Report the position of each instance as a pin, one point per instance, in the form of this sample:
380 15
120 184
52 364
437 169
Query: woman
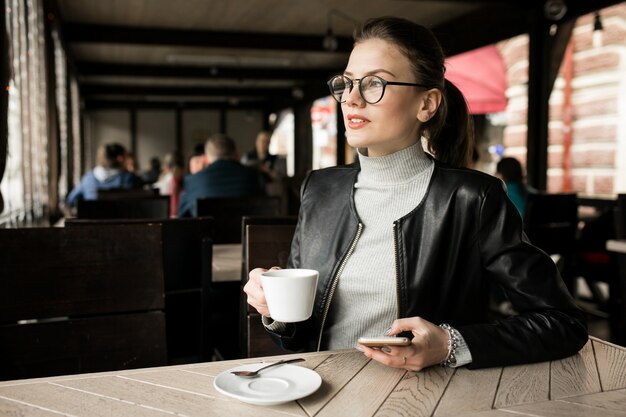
407 243
509 170
110 172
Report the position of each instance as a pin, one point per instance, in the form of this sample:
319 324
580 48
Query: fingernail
386 349
358 347
388 331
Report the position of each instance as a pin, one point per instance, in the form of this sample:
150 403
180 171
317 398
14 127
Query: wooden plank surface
562 408
9 407
336 372
167 399
469 391
365 392
52 396
352 385
417 394
614 401
523 384
611 363
575 375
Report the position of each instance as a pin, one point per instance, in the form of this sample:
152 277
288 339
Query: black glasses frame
350 84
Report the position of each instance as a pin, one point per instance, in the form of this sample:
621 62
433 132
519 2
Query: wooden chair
76 300
551 223
228 213
187 258
126 193
266 243
617 297
128 208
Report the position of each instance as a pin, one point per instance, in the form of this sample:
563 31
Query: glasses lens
338 85
372 88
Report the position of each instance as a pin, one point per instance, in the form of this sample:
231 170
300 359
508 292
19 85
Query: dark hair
108 154
510 169
450 132
221 146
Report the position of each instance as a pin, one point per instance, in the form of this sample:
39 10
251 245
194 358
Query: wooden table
227 262
590 383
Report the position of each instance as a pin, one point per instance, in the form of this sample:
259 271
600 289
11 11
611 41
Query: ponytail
450 133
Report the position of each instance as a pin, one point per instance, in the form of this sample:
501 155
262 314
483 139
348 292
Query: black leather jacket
462 238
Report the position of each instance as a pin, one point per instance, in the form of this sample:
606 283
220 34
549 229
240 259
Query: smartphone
384 341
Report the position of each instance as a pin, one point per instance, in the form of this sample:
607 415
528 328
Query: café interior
134 298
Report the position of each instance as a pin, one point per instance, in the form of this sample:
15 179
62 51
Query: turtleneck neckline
396 168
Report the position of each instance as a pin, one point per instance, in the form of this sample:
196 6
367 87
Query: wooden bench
228 214
76 300
126 193
186 264
156 207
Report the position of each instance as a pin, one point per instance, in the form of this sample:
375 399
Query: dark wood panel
82 345
127 208
259 341
80 271
229 212
186 246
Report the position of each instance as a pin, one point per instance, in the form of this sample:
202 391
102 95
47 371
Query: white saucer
277 385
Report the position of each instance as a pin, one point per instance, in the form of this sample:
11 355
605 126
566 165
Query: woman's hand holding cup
285 295
254 291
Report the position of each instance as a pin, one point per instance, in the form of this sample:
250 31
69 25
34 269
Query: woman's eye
375 83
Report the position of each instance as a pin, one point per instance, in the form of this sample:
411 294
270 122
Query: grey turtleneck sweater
388 187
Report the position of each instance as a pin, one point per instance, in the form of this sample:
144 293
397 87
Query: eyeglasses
371 87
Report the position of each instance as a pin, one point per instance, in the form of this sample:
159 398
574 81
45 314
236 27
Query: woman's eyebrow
372 72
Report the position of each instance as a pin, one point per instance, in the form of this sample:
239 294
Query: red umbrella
481 76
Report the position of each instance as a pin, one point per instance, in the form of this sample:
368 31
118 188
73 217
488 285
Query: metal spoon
252 374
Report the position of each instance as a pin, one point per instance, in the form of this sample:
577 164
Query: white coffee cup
290 293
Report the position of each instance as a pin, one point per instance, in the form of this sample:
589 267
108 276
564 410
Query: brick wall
598 107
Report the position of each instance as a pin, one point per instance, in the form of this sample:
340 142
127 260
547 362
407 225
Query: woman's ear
429 104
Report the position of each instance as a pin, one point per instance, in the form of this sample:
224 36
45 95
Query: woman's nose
354 98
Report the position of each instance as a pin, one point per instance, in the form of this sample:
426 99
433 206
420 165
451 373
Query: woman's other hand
254 291
428 347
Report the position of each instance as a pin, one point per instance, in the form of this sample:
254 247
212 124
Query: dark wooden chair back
128 208
551 221
620 217
266 243
76 300
228 213
187 258
618 288
126 193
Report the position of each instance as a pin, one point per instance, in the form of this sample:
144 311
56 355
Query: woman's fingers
254 291
394 356
428 346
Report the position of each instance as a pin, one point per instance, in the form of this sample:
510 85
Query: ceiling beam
97 104
87 68
108 89
111 34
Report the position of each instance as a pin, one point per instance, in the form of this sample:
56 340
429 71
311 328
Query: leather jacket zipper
336 282
395 254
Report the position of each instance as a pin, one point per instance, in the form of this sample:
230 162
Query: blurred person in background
224 176
110 172
509 170
171 180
